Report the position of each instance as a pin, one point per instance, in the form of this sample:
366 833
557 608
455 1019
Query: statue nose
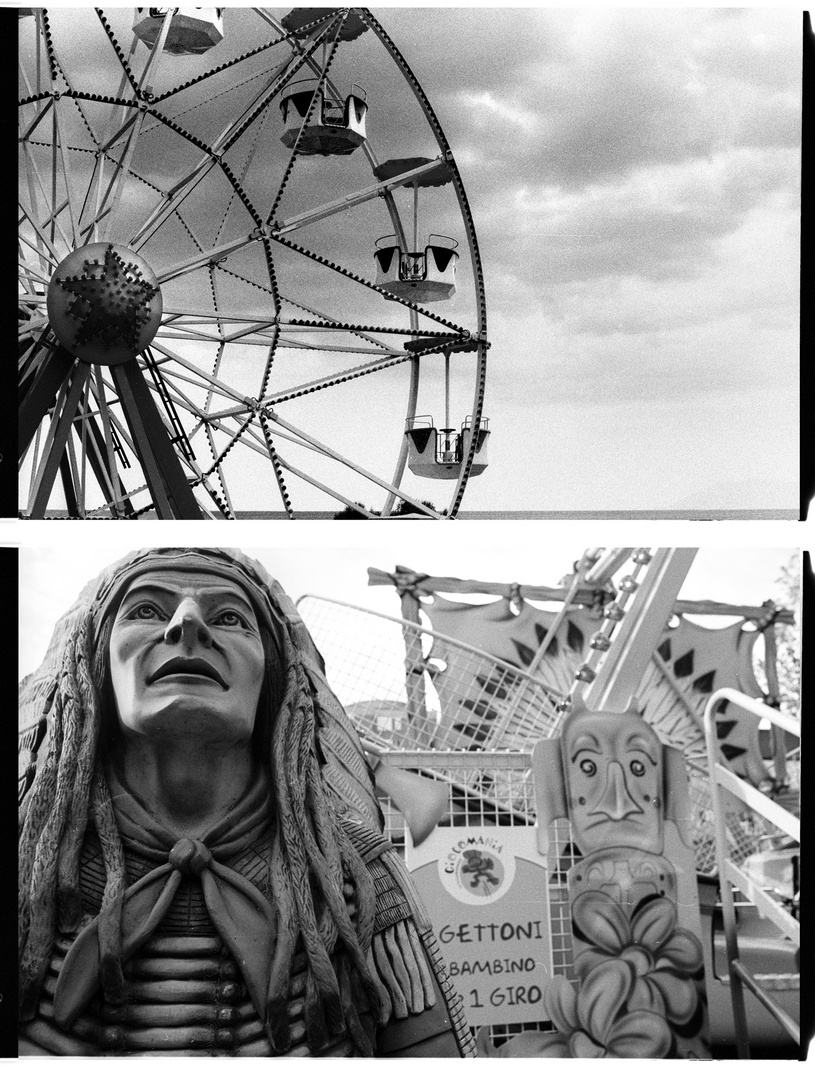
615 802
187 626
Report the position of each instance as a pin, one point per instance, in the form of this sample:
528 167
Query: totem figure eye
588 767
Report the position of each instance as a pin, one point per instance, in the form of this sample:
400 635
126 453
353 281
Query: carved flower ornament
662 958
598 1020
636 981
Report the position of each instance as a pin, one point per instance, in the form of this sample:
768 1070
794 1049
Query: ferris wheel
250 281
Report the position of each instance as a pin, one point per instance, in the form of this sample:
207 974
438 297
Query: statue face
186 659
613 769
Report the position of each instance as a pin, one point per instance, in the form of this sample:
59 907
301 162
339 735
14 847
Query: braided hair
323 894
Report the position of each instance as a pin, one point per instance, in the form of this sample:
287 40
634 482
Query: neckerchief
241 914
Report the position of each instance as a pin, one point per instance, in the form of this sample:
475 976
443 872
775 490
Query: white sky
633 176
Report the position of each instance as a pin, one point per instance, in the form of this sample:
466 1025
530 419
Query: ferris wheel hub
104 304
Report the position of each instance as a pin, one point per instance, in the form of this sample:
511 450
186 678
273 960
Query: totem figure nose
187 626
615 802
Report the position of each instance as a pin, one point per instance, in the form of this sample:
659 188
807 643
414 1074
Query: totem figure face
186 659
613 767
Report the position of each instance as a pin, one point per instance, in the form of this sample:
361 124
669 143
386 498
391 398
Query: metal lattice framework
281 374
372 663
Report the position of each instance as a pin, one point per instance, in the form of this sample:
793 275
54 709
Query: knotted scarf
241 914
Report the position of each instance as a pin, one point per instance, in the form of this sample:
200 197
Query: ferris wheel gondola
202 332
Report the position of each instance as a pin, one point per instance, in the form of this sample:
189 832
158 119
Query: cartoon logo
482 874
477 870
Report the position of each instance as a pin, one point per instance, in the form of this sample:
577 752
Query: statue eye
229 618
588 767
637 768
143 612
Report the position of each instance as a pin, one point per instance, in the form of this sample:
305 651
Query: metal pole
447 392
771 670
415 215
414 670
638 634
726 891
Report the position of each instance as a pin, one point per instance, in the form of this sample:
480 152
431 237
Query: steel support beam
42 394
639 631
168 485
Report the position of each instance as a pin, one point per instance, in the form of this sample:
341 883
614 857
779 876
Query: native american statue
202 864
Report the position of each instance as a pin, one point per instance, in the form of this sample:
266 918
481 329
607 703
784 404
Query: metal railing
731 875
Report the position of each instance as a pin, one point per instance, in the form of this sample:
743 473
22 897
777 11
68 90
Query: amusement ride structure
238 292
461 694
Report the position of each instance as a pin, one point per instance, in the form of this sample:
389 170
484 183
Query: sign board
485 890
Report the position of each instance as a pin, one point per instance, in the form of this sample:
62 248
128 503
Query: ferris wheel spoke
201 383
393 492
348 375
27 272
360 331
357 350
207 380
53 373
159 99
188 317
304 389
31 324
105 468
75 469
67 474
59 431
44 255
283 75
310 62
228 136
66 174
170 202
40 115
196 262
325 489
368 284
51 220
58 144
348 202
156 53
115 190
315 98
168 485
30 361
320 447
123 437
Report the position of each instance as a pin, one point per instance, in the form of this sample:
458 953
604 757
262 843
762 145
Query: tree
351 513
404 507
788 644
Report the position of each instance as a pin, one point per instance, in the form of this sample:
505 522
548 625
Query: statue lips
187 665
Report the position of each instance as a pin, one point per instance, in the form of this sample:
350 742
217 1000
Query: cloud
512 114
661 225
617 90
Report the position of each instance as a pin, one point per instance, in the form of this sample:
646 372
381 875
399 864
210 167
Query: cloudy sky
634 179
633 175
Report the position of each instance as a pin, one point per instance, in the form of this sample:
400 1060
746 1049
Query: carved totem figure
635 915
202 866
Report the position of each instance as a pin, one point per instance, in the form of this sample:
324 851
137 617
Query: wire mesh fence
388 676
403 698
